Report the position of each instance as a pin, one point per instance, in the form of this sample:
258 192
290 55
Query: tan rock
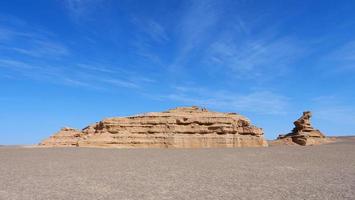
303 133
184 127
65 137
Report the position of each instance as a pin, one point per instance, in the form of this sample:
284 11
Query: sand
279 172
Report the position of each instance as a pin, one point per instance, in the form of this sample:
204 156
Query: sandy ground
280 172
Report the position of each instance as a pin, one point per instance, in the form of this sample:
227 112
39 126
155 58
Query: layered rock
303 133
184 127
65 137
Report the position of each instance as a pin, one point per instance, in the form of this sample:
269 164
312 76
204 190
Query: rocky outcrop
65 137
184 127
303 133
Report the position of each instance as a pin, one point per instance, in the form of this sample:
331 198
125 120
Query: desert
276 172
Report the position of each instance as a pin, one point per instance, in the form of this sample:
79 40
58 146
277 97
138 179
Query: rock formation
65 137
303 133
183 127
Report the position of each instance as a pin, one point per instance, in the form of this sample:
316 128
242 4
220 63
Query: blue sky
74 62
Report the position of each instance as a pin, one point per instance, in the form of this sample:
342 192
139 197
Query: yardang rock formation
303 133
183 127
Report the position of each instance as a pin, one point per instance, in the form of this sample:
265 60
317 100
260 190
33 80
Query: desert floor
279 172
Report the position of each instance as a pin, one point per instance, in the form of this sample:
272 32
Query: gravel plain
278 172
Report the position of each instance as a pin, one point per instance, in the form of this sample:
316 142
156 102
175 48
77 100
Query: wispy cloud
255 59
229 45
15 65
36 54
97 68
197 20
40 48
16 36
149 36
260 102
194 30
151 28
343 57
145 49
336 113
81 8
122 83
78 75
337 60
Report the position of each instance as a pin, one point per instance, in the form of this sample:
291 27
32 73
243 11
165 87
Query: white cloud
92 76
335 113
261 102
80 8
15 65
17 36
145 49
227 44
151 28
24 45
255 59
149 35
40 48
194 30
121 83
198 18
340 59
97 68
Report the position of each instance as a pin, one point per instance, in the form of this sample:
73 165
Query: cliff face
303 133
184 127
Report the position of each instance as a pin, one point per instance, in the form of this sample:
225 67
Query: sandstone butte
303 133
182 127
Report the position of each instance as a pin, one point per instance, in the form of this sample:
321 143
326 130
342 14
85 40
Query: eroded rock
65 137
183 127
303 133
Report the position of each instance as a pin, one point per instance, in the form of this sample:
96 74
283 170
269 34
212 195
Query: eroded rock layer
303 133
184 127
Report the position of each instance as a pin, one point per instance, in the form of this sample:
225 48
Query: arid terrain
277 172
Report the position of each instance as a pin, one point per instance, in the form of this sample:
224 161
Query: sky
75 62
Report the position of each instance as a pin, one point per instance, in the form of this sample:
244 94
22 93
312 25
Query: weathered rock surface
303 133
184 127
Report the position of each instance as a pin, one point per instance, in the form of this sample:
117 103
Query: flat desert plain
278 172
